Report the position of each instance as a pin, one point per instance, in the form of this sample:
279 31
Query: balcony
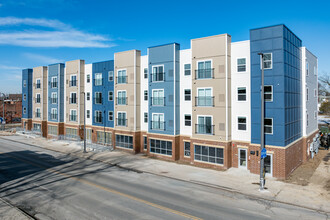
72 117
53 116
73 83
158 125
121 79
53 100
98 119
38 114
121 101
204 129
98 100
204 73
98 82
121 122
53 84
204 101
157 77
157 101
38 100
73 100
38 86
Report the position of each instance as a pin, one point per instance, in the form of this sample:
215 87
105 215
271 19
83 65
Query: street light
84 122
262 131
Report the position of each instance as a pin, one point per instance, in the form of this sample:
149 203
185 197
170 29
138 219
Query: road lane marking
107 189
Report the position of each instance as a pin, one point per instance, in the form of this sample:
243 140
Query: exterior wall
310 85
285 77
40 73
167 56
240 79
217 49
27 76
89 89
144 87
185 83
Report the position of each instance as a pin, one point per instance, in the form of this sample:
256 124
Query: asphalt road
51 185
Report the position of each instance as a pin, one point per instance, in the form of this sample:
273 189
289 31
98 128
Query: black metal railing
204 129
158 101
53 100
73 100
204 73
73 83
38 114
98 82
53 84
121 122
158 125
204 101
53 116
157 77
38 85
121 79
121 100
98 119
98 100
72 117
37 100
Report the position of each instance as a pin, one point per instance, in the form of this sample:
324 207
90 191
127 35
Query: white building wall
88 89
310 85
185 83
143 86
240 49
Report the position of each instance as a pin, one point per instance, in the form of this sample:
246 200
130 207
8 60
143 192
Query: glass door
242 154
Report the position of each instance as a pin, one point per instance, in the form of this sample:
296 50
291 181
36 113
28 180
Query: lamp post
84 122
262 129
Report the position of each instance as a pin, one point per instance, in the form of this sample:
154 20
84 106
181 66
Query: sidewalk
313 196
9 212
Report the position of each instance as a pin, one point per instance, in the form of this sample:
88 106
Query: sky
42 32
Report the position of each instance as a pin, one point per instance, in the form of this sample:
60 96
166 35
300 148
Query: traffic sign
263 153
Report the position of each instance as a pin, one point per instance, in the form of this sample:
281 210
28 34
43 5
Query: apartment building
199 105
27 79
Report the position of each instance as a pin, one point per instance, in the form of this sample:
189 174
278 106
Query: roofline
56 64
164 45
310 52
275 26
102 61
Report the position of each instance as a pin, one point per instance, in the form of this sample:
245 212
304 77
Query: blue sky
41 32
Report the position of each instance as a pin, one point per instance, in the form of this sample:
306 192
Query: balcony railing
53 84
204 101
53 116
158 125
121 101
157 77
37 100
38 86
121 79
73 83
98 82
72 117
158 101
73 100
53 100
204 73
98 100
38 114
98 119
204 129
121 122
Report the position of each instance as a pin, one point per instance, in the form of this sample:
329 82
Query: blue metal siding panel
27 75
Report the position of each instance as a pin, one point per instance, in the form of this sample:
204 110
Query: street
52 185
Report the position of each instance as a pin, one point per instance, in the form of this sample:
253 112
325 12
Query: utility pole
262 129
3 111
84 122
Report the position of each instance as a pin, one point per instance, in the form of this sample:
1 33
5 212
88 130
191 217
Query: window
24 83
24 97
121 120
98 98
145 95
110 96
204 125
268 93
122 77
110 75
268 126
204 97
73 98
53 114
24 110
38 85
145 73
307 69
124 141
52 130
88 114
38 113
160 147
121 98
209 154
98 117
158 73
158 122
315 114
187 149
187 95
268 61
158 98
145 143
110 115
98 79
71 133
187 120
88 96
104 139
307 96
241 123
88 78
54 97
73 81
187 69
241 94
36 127
307 122
315 93
38 98
241 65
53 83
315 70
73 115
145 117
204 70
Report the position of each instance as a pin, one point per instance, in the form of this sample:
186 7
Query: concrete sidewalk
9 212
312 196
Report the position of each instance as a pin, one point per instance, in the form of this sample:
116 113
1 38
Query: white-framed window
73 115
38 113
307 122
98 116
98 81
204 70
73 80
110 115
187 120
268 61
158 121
145 71
187 149
88 78
204 97
315 92
24 83
121 119
38 98
53 114
53 83
145 143
158 98
38 84
268 93
145 94
187 95
241 65
88 114
24 110
307 96
315 114
124 141
204 125
121 97
241 123
110 76
24 97
110 96
88 96
160 147
73 98
98 98
187 69
54 98
146 117
241 94
158 73
315 70
268 124
121 77
209 154
307 68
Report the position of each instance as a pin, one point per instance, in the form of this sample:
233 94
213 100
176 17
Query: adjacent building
27 98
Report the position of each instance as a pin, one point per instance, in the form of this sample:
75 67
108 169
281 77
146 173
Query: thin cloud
41 58
63 35
6 67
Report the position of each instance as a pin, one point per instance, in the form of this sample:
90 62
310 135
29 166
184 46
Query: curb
26 214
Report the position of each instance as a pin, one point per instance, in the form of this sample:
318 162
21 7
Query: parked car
16 120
